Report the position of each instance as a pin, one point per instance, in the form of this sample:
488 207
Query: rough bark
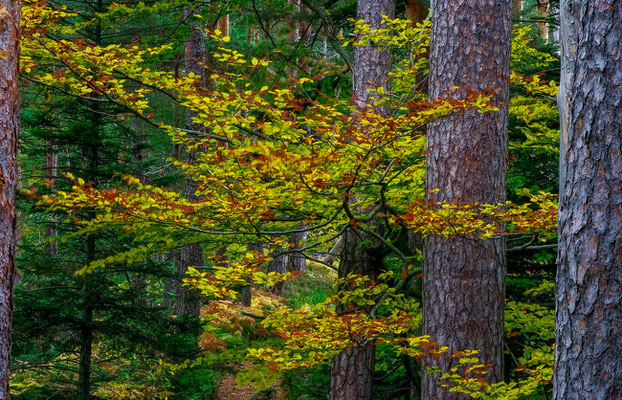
352 371
278 265
188 301
464 279
371 66
9 127
296 261
588 348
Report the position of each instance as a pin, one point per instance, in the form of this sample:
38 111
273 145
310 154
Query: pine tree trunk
188 301
464 279
9 128
588 347
371 66
352 371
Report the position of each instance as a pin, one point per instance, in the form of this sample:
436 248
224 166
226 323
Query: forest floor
228 390
311 288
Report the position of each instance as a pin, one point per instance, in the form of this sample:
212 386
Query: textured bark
464 279
588 348
9 127
297 261
188 301
278 265
371 66
352 371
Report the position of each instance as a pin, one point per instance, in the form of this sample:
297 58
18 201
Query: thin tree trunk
543 14
51 173
517 9
188 301
9 128
464 279
352 371
139 154
90 154
588 345
223 25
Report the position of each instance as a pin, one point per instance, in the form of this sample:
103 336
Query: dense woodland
302 199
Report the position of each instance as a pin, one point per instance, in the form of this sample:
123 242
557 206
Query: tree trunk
223 25
416 11
139 155
464 279
51 173
352 371
188 301
517 9
588 346
278 265
296 261
371 66
543 16
9 128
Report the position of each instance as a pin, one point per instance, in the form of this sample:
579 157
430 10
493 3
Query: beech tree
282 158
464 279
589 290
9 126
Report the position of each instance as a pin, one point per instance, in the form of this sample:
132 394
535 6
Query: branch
321 12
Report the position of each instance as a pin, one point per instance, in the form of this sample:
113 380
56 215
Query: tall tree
9 126
352 371
464 279
589 290
188 302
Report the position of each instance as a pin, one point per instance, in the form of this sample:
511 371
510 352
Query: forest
311 199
